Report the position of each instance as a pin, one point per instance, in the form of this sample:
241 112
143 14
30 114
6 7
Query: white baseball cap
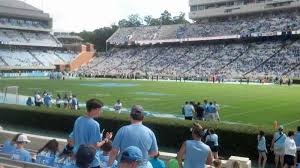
23 138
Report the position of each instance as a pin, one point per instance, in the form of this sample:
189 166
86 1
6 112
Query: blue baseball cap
132 153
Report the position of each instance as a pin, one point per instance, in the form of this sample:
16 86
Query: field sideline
247 104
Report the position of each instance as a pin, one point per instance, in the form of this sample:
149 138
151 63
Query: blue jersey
136 135
22 155
8 147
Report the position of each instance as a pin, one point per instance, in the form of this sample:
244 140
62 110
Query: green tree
166 18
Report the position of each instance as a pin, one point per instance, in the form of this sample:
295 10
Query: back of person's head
197 130
291 133
210 103
118 100
191 102
85 156
50 146
107 146
205 101
137 113
186 102
298 128
211 131
236 164
93 104
280 128
198 103
132 154
261 133
217 163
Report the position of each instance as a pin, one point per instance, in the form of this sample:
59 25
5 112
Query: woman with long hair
47 154
262 149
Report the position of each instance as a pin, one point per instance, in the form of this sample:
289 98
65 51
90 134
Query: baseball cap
85 155
132 153
280 127
23 138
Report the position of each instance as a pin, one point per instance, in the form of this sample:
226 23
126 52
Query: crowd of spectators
133 145
272 58
243 25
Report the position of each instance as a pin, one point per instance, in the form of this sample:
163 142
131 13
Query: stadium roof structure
20 9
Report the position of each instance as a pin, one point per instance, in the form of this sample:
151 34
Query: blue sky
78 15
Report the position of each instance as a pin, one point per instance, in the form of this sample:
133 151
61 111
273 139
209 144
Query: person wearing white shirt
290 151
118 106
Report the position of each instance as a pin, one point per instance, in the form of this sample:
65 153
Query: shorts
279 150
211 116
261 151
289 160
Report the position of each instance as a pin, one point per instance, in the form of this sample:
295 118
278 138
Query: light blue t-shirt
213 138
211 109
47 100
64 162
261 144
157 163
188 110
22 155
46 158
86 131
281 141
297 139
104 159
136 135
8 147
196 154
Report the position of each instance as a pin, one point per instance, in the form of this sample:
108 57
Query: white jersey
118 107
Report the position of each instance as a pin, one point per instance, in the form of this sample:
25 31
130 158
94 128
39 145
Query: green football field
245 104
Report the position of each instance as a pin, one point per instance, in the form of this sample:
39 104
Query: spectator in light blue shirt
104 155
86 130
20 153
48 153
262 149
47 100
157 163
195 153
135 134
9 146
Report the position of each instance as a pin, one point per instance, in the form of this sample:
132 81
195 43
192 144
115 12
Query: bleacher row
273 58
34 57
254 23
17 37
38 141
22 23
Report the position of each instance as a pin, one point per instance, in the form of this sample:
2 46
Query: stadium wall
234 139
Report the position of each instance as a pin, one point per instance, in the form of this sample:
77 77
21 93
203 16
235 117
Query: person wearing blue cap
131 157
135 134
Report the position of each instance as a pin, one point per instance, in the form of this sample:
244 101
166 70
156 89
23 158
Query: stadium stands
229 60
271 22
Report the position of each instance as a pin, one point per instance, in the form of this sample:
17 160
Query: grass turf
247 104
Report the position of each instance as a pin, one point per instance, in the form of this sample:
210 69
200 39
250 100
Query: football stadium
218 90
